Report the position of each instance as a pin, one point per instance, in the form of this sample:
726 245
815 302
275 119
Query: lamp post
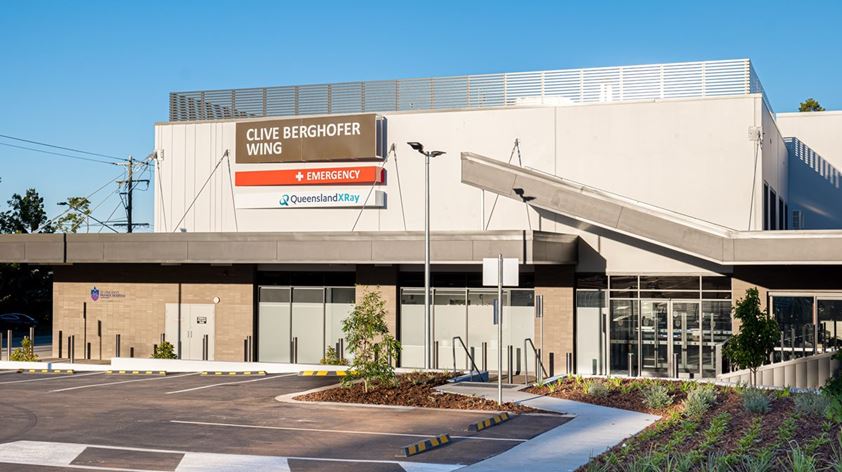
428 364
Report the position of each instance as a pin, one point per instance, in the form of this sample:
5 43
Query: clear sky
95 75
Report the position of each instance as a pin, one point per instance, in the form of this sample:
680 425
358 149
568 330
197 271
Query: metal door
197 320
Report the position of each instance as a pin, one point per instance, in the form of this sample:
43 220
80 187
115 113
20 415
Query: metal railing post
552 364
511 353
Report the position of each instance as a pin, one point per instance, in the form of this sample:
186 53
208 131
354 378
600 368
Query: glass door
685 348
654 338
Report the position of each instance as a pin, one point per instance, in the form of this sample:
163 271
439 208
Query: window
773 216
765 206
781 212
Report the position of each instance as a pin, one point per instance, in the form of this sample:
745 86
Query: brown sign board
327 138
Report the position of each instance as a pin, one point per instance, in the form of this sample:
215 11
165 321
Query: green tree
26 214
26 288
370 342
78 211
811 104
164 351
757 337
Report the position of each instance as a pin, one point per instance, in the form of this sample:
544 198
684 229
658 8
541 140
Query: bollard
792 343
32 338
484 356
783 346
117 346
205 347
336 348
154 348
552 364
245 349
59 344
593 366
510 365
71 348
131 351
631 361
9 340
88 351
341 349
295 348
436 355
568 362
1 345
517 361
251 349
675 364
473 354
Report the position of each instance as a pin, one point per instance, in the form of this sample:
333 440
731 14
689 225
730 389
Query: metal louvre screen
555 87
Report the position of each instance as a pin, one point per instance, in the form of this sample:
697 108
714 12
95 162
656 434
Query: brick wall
555 283
132 303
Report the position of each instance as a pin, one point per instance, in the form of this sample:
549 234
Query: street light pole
428 337
428 330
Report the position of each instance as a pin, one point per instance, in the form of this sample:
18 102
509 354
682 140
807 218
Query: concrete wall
815 188
822 131
691 156
774 168
137 311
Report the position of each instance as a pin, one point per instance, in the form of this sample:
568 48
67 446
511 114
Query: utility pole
129 173
128 203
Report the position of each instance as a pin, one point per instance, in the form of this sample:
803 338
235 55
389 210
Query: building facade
657 195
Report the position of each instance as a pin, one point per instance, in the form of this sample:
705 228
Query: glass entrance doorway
670 338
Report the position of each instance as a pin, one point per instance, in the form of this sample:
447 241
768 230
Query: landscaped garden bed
416 389
711 428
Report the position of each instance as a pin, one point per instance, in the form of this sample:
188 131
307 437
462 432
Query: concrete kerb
290 398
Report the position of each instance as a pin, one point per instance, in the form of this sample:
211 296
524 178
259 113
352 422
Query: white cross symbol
299 176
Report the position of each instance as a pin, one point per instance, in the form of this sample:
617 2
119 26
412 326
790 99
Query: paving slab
592 431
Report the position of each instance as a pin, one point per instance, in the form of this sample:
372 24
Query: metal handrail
538 362
468 354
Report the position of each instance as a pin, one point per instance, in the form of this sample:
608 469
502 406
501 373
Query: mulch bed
813 434
416 390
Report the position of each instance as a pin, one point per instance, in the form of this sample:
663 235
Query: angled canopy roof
655 225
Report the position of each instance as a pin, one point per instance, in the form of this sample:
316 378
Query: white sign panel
311 199
490 272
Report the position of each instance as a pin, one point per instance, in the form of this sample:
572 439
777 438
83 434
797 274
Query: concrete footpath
594 430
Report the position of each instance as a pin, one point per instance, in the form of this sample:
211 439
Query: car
16 322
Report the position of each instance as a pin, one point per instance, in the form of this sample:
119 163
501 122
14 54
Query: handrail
467 353
538 362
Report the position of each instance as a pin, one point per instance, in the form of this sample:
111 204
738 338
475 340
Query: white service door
197 320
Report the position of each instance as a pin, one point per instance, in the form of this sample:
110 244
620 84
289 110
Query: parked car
17 322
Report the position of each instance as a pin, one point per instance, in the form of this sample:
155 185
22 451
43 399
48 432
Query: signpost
499 271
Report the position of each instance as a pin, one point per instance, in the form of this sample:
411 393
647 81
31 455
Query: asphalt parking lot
186 422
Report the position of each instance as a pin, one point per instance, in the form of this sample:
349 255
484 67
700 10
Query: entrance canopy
388 247
681 233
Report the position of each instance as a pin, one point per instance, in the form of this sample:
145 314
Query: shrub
811 404
832 391
797 460
596 389
165 350
656 396
370 342
755 400
757 338
26 351
331 358
553 387
699 400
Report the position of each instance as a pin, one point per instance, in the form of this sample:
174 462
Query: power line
60 154
61 147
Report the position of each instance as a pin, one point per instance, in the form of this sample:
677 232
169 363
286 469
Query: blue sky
95 75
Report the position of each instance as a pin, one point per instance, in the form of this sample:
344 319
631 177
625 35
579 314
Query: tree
78 211
26 214
811 104
757 337
26 288
370 342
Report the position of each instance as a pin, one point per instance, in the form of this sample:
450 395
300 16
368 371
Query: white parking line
50 378
341 431
106 384
229 383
